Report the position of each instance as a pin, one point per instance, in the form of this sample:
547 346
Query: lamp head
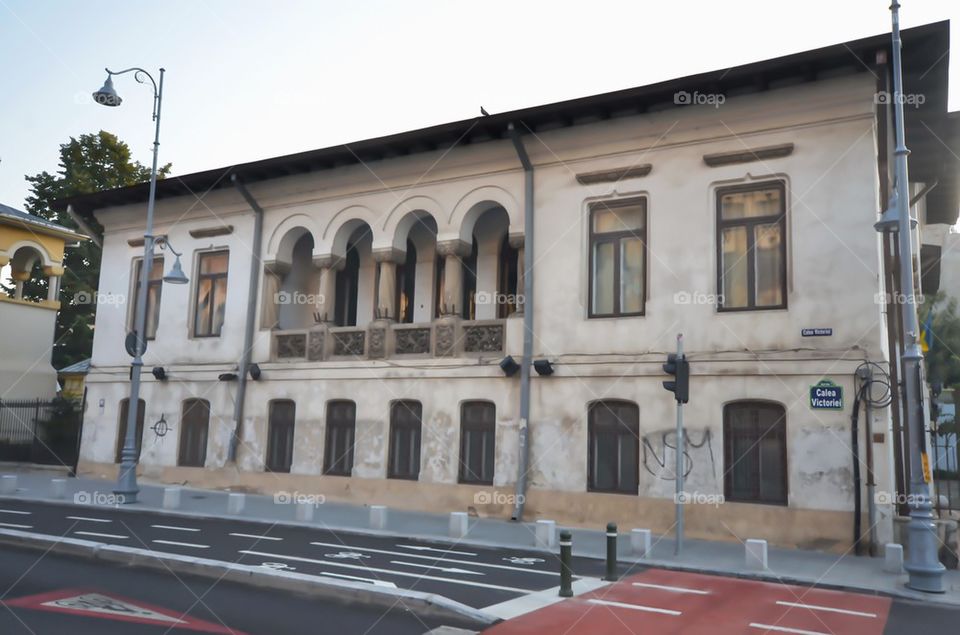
176 275
107 95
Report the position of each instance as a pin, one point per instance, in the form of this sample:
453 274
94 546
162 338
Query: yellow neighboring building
29 246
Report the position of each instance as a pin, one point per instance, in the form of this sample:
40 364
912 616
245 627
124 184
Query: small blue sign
826 395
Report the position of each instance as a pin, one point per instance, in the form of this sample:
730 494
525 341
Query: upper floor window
154 287
752 268
211 301
341 430
614 447
478 433
405 424
280 435
755 452
618 258
194 426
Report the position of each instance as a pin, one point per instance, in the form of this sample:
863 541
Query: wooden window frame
417 430
270 436
728 455
749 224
591 444
328 446
617 239
483 428
182 450
214 278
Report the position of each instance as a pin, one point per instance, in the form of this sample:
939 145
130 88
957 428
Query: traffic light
679 367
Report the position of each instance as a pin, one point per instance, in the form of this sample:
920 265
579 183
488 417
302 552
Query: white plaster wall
25 349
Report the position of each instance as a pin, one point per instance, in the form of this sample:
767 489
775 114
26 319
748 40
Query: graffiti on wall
660 450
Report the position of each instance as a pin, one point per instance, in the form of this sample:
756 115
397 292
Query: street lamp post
127 488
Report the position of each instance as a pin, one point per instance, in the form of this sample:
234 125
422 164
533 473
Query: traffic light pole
678 496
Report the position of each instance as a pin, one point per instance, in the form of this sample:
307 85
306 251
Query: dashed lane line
785 629
99 535
180 544
816 607
635 607
89 520
257 537
15 511
174 528
673 589
16 526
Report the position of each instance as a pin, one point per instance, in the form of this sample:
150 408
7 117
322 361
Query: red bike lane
665 602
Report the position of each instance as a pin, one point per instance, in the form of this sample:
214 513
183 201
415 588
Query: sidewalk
824 570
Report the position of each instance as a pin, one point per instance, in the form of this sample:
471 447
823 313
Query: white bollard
305 511
640 542
171 498
546 534
58 488
756 554
378 516
893 558
8 484
235 502
459 522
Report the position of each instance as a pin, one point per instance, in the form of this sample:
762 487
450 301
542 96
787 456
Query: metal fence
946 470
38 431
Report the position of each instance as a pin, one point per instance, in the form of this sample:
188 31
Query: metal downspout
251 317
524 446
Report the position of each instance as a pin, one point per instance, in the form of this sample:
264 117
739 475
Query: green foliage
90 163
943 358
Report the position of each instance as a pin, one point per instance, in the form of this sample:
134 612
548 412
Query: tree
943 339
90 163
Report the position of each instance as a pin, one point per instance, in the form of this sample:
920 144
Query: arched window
341 432
406 285
348 288
406 419
194 425
478 431
755 452
614 447
280 435
122 427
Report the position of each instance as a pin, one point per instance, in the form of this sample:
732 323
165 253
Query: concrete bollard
893 558
305 511
171 498
546 534
640 542
378 516
235 502
58 488
8 484
756 554
459 521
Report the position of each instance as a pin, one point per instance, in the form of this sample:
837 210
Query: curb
341 591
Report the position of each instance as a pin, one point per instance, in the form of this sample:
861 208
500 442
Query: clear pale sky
250 80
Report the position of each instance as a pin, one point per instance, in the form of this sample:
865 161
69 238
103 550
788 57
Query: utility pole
925 570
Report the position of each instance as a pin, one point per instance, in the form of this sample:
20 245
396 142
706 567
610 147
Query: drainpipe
524 449
255 266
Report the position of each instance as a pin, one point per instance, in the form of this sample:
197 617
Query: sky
250 80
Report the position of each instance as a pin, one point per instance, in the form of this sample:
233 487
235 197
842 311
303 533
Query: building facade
390 297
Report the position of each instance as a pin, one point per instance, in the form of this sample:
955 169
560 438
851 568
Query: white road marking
174 528
180 544
373 581
815 607
15 511
635 607
419 576
16 526
675 589
784 629
89 520
436 558
450 551
256 537
99 535
431 566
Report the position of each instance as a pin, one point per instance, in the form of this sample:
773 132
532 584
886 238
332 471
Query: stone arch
406 215
342 226
476 202
26 252
286 234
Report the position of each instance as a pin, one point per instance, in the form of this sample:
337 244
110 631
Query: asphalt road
53 595
477 577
